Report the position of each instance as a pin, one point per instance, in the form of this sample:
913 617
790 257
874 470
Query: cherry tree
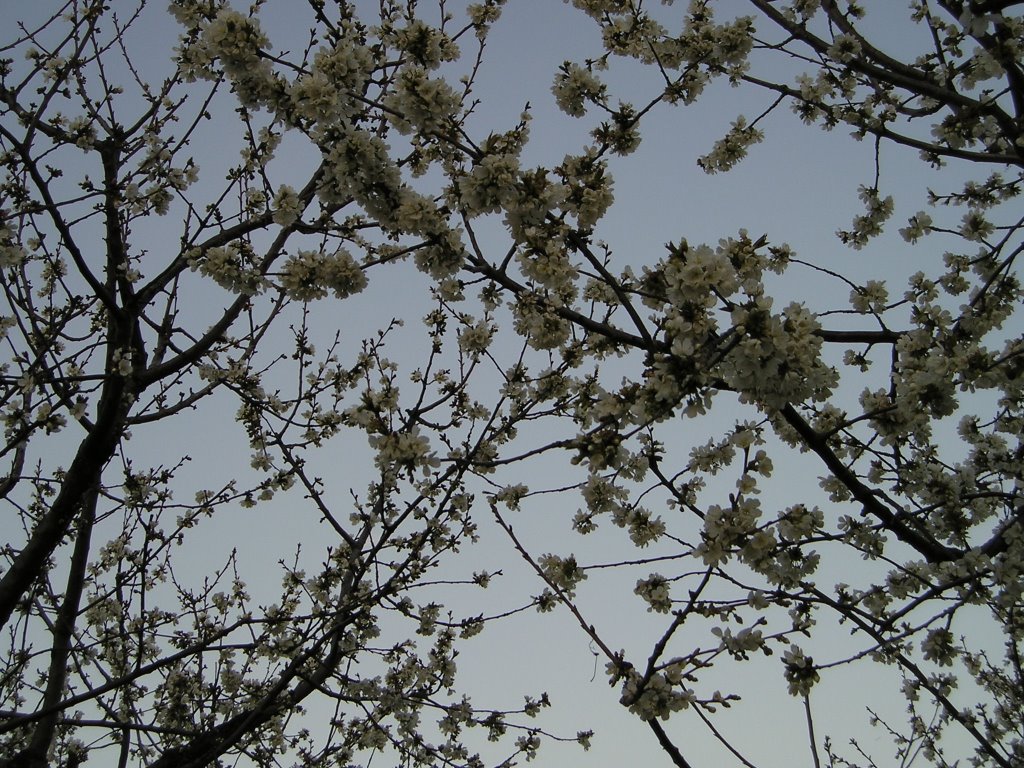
139 290
179 232
907 398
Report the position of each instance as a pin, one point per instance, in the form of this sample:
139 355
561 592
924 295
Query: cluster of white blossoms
727 528
731 148
476 338
408 449
590 187
547 264
768 358
845 48
157 180
421 102
869 224
325 95
654 696
641 524
601 496
929 377
358 165
490 185
231 266
778 360
527 216
563 573
654 590
313 98
537 320
12 252
444 255
236 41
938 645
286 206
426 46
984 67
323 99
814 91
800 672
739 644
310 275
873 296
800 522
574 87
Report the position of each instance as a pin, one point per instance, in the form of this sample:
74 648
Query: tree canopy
293 241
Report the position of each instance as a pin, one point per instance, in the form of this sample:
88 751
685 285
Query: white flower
574 86
870 223
426 45
419 101
799 671
562 572
358 165
918 225
537 321
871 297
655 592
287 206
311 275
475 339
407 450
656 697
443 257
731 148
230 266
845 48
490 184
12 253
